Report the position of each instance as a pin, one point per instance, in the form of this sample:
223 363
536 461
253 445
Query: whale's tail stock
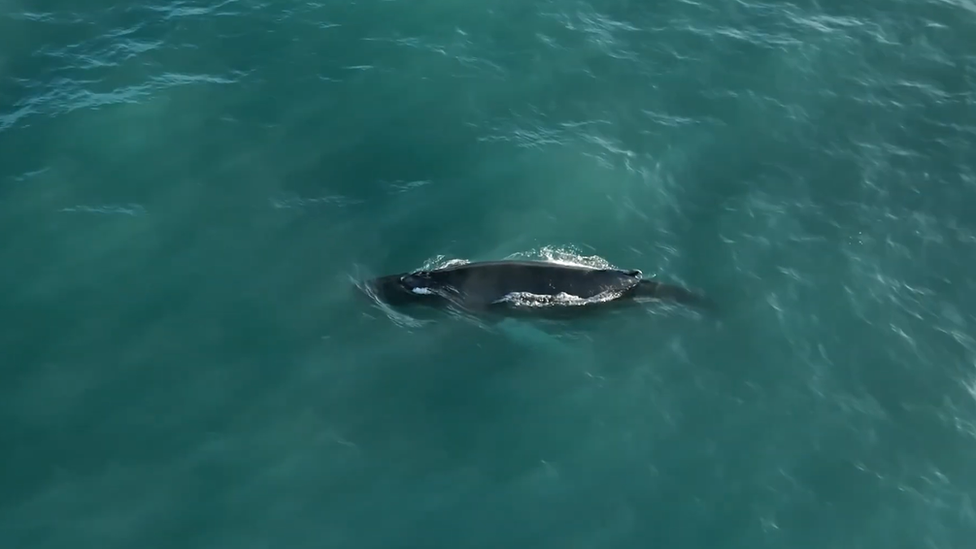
667 292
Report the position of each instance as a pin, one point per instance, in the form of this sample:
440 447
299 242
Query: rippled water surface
190 190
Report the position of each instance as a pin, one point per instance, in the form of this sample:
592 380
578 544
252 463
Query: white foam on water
564 256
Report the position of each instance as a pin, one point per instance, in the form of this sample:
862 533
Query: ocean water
190 190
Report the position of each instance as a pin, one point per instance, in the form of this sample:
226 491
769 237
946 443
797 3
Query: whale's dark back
485 283
494 280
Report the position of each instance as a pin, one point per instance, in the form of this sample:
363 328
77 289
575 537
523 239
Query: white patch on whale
527 299
422 291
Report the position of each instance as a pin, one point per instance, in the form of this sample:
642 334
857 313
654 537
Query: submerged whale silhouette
533 287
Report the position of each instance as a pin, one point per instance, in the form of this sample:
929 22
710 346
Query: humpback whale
532 287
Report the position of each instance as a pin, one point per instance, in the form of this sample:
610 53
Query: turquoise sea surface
191 190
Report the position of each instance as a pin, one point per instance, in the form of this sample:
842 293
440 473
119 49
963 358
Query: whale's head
402 289
418 283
